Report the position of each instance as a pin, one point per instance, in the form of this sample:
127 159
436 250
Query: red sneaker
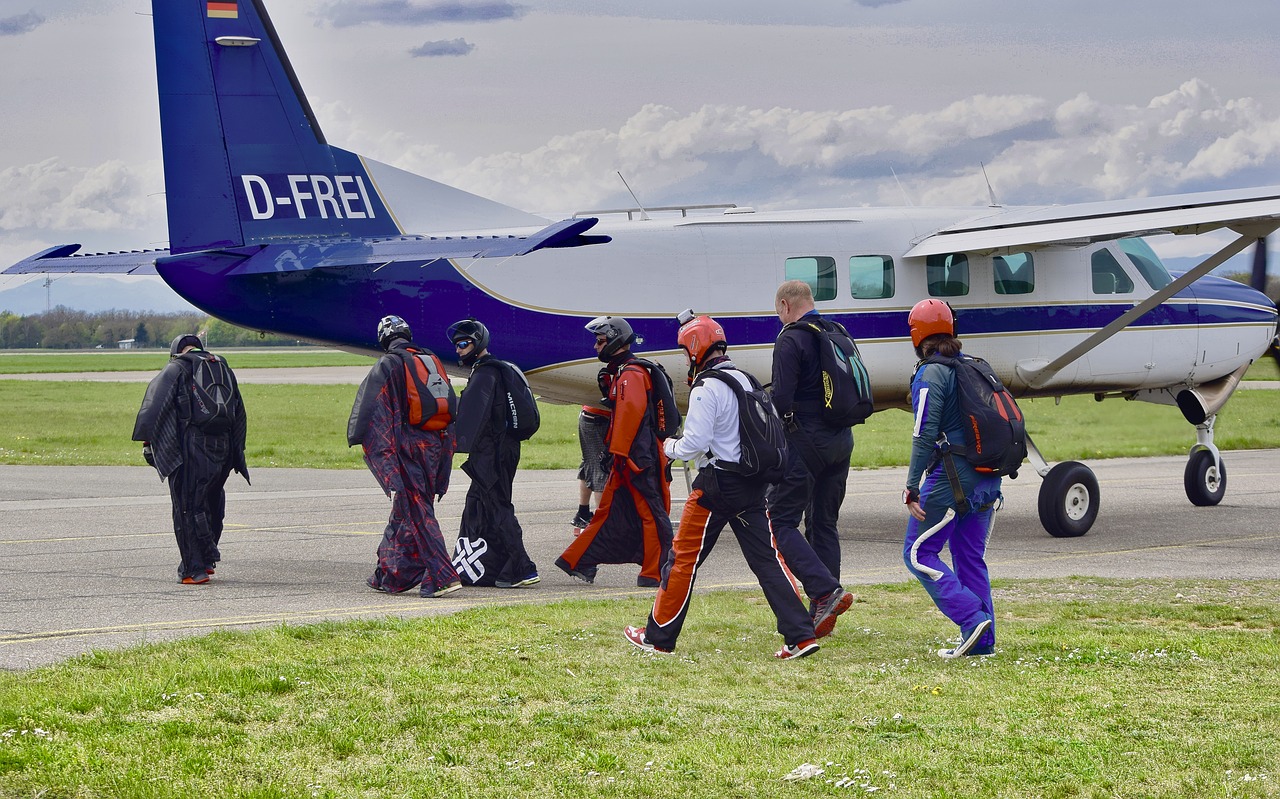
801 650
636 636
826 610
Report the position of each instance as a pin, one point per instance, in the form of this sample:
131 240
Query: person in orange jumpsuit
633 522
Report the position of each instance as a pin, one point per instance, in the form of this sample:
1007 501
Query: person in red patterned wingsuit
633 522
411 465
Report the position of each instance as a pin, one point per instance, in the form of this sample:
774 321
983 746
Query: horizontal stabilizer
66 258
1029 228
323 254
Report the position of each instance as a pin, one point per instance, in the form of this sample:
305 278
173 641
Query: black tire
1069 500
1205 481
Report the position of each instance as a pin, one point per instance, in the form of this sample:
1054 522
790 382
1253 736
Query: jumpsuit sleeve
239 432
928 395
367 398
380 442
786 371
156 402
631 403
475 406
444 466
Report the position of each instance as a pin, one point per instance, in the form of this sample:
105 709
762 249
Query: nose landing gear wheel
1205 478
1069 500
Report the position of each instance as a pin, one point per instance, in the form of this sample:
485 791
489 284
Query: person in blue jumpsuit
961 591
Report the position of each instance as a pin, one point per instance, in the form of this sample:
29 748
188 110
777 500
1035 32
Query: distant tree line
65 329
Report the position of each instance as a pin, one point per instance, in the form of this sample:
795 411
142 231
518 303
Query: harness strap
948 463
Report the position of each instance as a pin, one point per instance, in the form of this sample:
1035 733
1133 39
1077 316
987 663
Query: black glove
147 454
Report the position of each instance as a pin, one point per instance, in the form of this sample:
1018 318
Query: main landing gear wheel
1069 500
1205 478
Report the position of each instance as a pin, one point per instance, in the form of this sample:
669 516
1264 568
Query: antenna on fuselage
644 215
990 191
905 196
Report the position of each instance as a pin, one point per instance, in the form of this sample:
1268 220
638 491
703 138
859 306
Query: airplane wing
1018 229
67 258
566 233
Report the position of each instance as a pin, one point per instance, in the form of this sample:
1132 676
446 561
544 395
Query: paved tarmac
88 560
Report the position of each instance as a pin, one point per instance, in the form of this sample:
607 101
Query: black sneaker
647 582
968 640
525 582
826 609
581 521
586 574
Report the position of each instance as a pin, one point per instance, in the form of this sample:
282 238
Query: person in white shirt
719 496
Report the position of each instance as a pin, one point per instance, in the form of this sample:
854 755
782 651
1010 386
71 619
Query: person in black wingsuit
490 548
192 426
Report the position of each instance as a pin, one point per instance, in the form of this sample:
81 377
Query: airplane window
1148 263
1015 273
818 271
871 277
1108 276
947 275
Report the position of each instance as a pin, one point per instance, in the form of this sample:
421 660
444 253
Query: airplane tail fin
245 161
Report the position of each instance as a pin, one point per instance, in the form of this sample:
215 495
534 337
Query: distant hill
83 293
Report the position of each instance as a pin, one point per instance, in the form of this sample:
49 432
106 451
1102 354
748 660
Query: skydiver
406 431
490 548
962 593
720 496
633 522
193 427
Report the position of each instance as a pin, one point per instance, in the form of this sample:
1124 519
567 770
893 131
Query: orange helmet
699 336
928 318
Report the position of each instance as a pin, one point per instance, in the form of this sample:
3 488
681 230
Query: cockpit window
947 275
819 272
1148 263
1108 275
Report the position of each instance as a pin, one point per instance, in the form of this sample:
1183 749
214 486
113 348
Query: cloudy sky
539 104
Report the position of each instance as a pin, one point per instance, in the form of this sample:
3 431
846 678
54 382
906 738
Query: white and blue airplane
274 229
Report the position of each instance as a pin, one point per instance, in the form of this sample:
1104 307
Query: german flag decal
223 10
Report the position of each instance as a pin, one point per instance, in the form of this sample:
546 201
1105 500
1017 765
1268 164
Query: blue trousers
962 590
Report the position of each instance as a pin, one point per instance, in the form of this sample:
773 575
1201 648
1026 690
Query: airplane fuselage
728 266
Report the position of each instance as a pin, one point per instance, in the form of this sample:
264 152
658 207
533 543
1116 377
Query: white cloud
52 194
1035 152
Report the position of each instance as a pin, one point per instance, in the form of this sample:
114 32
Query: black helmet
182 342
392 327
473 331
470 328
616 331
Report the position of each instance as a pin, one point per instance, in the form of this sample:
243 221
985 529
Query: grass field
1099 688
81 423
13 363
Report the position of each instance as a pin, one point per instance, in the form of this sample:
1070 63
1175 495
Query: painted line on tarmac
61 539
449 605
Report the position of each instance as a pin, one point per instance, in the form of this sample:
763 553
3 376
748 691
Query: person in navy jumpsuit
962 590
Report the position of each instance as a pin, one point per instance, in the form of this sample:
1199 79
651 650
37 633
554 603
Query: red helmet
928 318
699 336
